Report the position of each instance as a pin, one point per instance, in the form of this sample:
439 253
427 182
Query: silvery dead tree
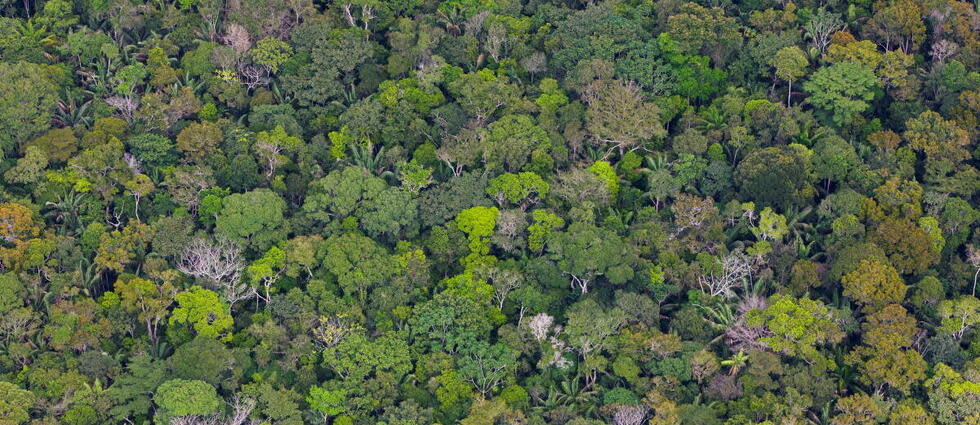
942 50
735 269
540 325
495 41
238 38
241 408
126 105
253 75
218 263
630 415
973 257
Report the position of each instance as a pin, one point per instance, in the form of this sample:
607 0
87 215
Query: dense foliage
524 212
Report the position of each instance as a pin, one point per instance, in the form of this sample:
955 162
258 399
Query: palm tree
736 362
70 114
365 156
809 136
66 212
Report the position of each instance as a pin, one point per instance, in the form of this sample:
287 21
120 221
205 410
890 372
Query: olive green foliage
489 212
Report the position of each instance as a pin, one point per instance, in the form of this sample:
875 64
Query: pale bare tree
241 408
253 75
535 62
579 185
735 269
271 155
126 105
942 50
973 256
558 350
630 415
474 25
237 37
540 325
195 420
496 40
219 264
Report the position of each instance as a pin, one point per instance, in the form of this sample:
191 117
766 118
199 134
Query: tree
523 188
485 366
843 89
898 25
485 412
834 159
359 263
179 397
253 218
447 322
938 138
119 248
15 404
328 403
271 52
132 391
29 93
478 223
952 397
382 210
709 31
959 315
149 300
507 142
58 144
908 246
619 117
588 330
585 252
29 168
909 412
796 326
886 358
821 26
199 140
12 292
874 284
17 223
589 326
482 93
75 325
856 409
369 371
264 272
204 311
219 264
790 63
271 148
776 176
539 231
205 359
152 149
732 271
